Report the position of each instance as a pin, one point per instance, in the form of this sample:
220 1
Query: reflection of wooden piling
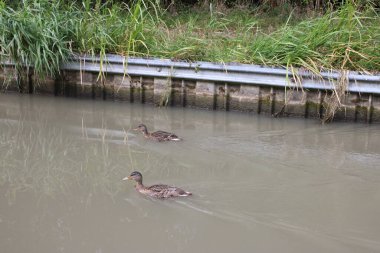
194 93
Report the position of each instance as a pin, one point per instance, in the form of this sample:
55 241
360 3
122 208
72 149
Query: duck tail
186 194
174 137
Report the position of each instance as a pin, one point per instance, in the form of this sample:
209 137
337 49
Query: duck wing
158 187
165 136
166 191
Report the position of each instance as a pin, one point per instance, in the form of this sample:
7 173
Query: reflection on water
260 185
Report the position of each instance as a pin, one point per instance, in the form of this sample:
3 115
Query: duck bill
126 178
136 129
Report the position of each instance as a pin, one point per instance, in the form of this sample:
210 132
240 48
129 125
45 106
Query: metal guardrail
225 73
229 73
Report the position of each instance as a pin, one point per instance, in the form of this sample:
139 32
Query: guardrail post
137 89
314 104
108 88
348 108
295 104
370 108
205 95
266 100
189 93
162 91
122 87
178 92
375 109
147 95
362 104
222 96
244 98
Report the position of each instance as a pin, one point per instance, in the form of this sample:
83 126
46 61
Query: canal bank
349 96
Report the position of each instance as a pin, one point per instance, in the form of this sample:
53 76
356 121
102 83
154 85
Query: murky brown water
259 184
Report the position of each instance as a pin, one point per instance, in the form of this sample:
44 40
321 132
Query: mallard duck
160 191
158 135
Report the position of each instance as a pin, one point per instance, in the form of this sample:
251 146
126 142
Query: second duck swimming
158 135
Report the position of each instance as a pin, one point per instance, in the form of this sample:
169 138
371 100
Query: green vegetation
35 35
45 33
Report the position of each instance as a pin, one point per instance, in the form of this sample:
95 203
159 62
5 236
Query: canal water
260 184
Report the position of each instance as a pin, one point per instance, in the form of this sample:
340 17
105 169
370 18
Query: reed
35 34
45 33
346 38
342 39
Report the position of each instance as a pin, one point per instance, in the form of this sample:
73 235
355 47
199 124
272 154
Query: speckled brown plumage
158 135
160 191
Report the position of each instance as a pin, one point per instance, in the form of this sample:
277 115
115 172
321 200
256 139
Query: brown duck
160 191
158 135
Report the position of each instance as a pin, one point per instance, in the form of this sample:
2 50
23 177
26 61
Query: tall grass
347 38
342 39
35 35
209 36
44 33
116 28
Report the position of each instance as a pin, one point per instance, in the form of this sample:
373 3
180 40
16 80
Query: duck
158 135
159 191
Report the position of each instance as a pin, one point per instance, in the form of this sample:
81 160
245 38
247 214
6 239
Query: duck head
134 176
141 128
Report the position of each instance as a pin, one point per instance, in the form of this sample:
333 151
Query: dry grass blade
334 101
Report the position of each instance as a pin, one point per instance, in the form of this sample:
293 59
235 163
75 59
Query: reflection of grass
29 159
43 159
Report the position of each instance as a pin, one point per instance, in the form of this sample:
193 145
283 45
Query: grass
45 33
344 39
34 35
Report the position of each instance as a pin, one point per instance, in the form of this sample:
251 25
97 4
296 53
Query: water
259 184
